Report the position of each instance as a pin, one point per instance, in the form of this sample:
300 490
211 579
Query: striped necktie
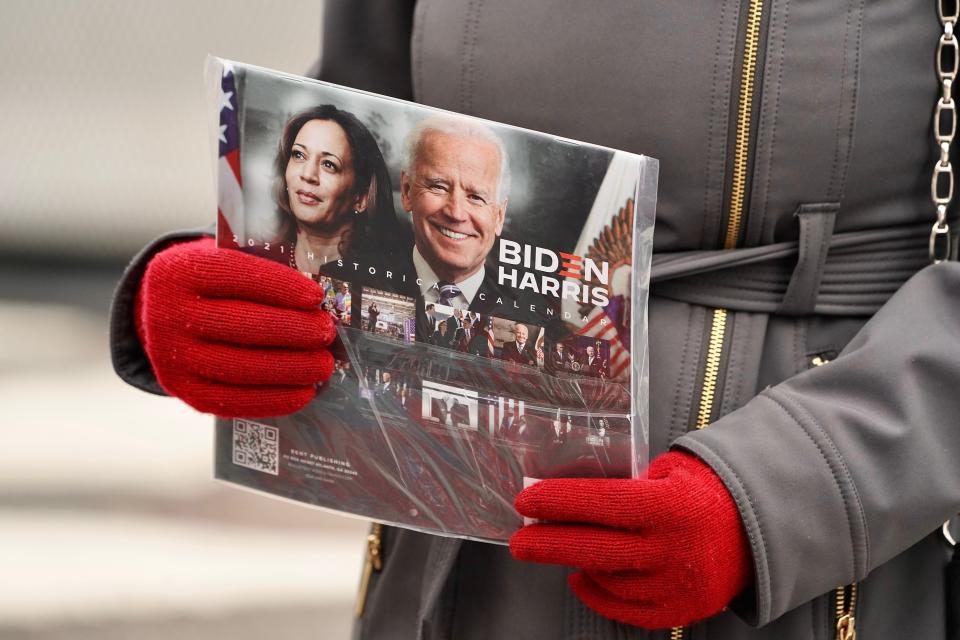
448 292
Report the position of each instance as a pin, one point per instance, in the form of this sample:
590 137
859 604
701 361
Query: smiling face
452 196
319 176
520 333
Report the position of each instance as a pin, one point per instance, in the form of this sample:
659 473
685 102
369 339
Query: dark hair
377 228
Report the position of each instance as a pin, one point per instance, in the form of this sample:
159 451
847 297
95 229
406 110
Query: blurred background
110 524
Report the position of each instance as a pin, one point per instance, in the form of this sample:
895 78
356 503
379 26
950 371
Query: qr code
256 446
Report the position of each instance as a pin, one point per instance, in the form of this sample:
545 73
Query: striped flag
619 354
541 346
229 183
608 237
503 407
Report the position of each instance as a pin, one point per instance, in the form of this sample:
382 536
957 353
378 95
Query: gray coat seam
850 481
683 366
421 10
726 280
741 371
773 128
467 66
782 402
859 260
708 214
837 139
799 345
853 102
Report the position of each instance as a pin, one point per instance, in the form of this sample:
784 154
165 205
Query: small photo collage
513 422
395 316
511 341
402 394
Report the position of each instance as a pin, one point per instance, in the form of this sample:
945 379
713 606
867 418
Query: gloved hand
658 552
230 333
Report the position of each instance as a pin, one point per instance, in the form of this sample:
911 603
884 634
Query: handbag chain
948 62
944 129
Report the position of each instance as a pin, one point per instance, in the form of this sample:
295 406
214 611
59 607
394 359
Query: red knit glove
233 334
659 552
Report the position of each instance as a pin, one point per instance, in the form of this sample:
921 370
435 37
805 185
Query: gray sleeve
366 45
129 360
839 469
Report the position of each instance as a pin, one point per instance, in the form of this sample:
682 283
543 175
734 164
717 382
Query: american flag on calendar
229 182
501 413
540 344
607 236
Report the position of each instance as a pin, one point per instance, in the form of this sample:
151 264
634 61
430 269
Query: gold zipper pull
819 361
374 563
846 628
846 610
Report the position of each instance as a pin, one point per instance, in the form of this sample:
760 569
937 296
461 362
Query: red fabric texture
659 552
233 334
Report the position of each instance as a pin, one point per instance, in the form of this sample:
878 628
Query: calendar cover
489 286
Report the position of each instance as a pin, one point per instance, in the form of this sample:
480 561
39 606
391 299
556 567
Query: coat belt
856 275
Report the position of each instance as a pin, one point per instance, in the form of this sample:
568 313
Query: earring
356 212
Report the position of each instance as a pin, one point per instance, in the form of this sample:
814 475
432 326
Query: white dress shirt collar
428 282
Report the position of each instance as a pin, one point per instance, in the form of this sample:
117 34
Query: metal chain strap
941 183
948 61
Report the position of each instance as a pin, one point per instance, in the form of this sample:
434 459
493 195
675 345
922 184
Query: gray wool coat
843 472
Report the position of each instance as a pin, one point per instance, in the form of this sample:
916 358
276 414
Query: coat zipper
373 563
711 373
741 149
846 607
735 216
